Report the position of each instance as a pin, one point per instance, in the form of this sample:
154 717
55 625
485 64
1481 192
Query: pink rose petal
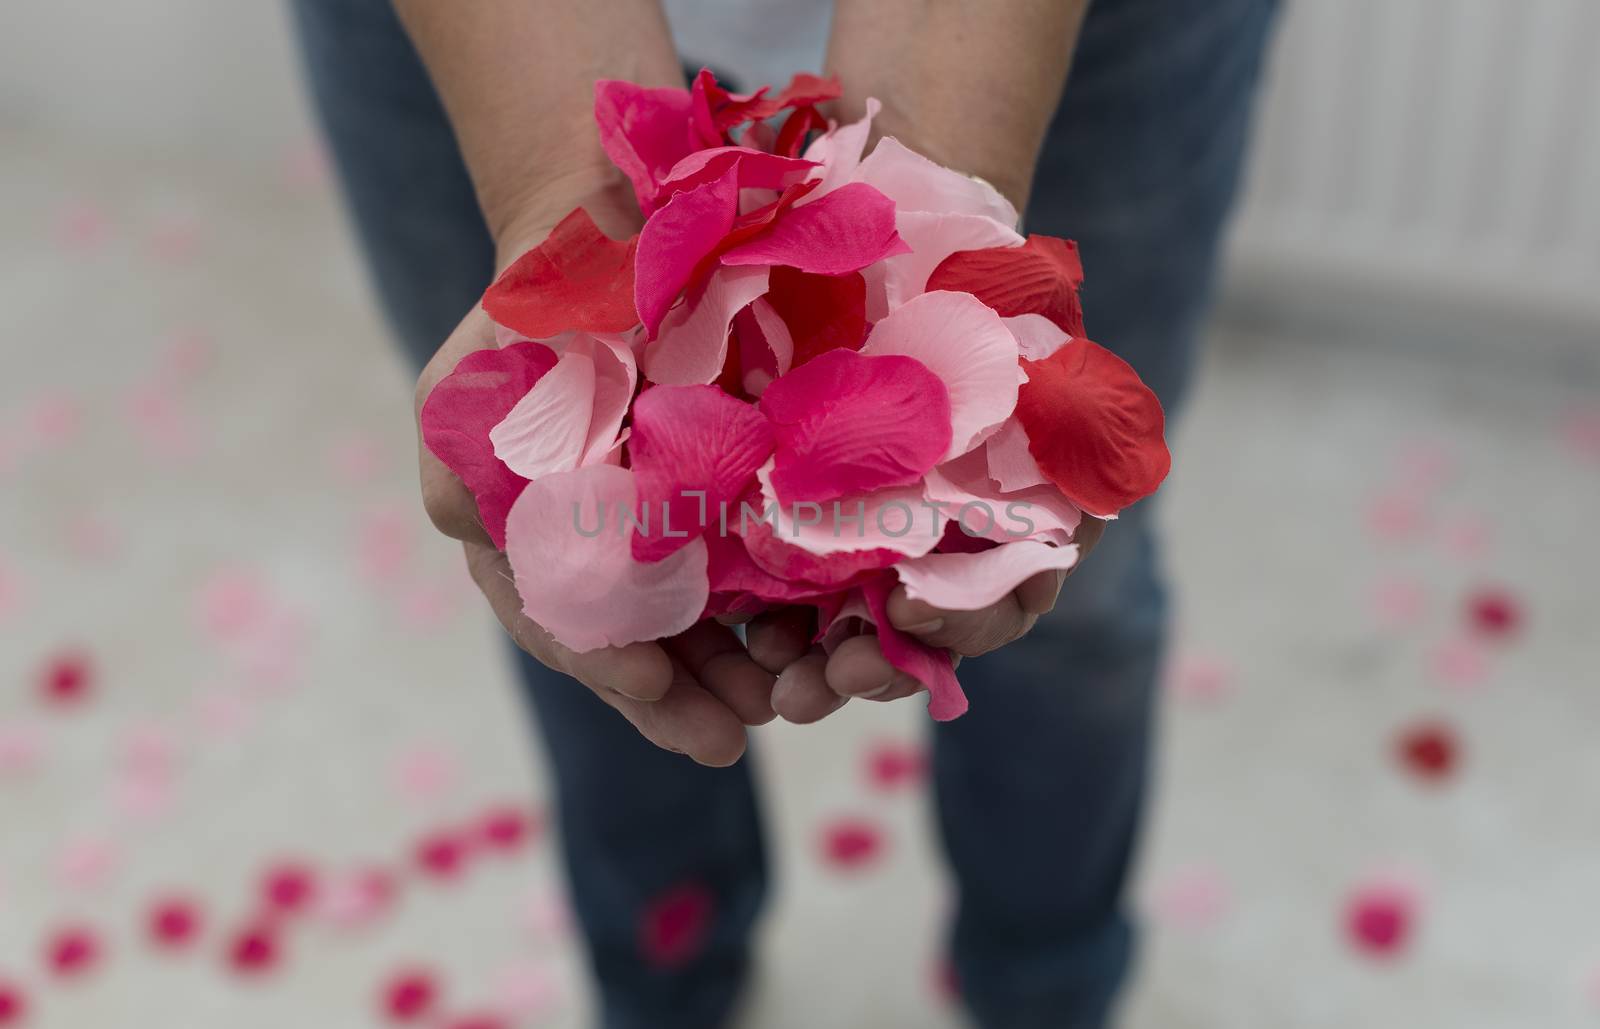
466 405
897 519
963 491
1011 465
847 424
687 440
692 343
1380 917
571 551
644 131
967 582
851 844
928 665
753 170
547 429
675 925
1200 678
892 766
845 231
1399 601
1037 336
967 346
1192 898
677 239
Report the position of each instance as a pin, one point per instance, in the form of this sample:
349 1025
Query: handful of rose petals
811 377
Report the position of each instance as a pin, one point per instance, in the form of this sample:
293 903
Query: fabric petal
844 231
692 342
915 183
547 430
962 490
615 376
901 520
966 345
775 332
932 237
579 580
1040 277
644 131
967 582
1037 336
676 239
822 312
691 439
577 279
1010 462
753 170
847 424
462 409
1094 427
839 150
930 666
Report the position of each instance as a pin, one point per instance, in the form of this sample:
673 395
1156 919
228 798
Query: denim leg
639 825
1040 786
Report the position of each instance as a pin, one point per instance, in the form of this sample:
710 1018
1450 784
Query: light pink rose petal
777 334
693 341
571 552
915 183
966 582
932 237
967 346
676 239
845 231
1011 464
695 440
616 372
1037 336
1192 898
846 424
963 485
839 152
548 428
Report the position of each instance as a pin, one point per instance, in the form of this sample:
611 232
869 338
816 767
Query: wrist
520 219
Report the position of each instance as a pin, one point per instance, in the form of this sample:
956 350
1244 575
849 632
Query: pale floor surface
286 459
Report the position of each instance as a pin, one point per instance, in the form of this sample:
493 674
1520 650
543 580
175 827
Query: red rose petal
254 950
1094 427
577 279
173 923
410 996
66 678
822 312
1040 277
73 951
1494 613
850 844
674 927
1430 751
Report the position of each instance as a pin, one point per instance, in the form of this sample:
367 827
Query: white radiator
1444 146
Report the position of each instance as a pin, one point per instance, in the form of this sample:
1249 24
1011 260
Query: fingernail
880 691
923 628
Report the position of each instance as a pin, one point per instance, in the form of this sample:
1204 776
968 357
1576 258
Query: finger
1037 593
801 694
777 639
719 662
857 668
1087 536
641 671
688 720
965 632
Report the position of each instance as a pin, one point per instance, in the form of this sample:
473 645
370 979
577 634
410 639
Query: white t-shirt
757 42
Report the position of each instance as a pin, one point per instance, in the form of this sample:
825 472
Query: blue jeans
1040 787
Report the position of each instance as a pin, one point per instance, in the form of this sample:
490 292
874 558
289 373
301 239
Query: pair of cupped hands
697 692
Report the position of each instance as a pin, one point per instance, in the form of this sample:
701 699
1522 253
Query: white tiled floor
282 460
